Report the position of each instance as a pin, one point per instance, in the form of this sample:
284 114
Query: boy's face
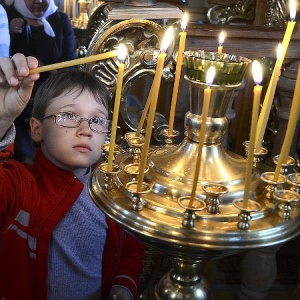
73 149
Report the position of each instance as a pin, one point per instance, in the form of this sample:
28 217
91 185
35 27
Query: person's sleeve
6 144
69 40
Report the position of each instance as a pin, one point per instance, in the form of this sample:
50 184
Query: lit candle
155 90
122 52
181 48
268 100
205 108
257 74
289 28
221 41
75 62
293 118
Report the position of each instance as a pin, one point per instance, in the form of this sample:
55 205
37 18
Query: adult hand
16 26
15 87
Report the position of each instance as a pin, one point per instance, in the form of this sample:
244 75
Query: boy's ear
36 130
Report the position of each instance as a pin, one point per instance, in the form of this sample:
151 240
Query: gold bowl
230 69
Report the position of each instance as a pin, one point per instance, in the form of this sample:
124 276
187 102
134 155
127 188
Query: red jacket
33 199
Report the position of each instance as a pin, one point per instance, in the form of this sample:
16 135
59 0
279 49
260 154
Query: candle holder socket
271 185
137 202
136 144
134 169
170 136
189 214
109 178
117 150
258 155
244 216
213 192
285 166
293 180
285 197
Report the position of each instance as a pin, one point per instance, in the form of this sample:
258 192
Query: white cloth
4 33
24 11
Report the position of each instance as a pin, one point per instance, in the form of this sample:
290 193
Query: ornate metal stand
159 220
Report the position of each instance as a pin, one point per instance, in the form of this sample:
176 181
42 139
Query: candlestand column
258 273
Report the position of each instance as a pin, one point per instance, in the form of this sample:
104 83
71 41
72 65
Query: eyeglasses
71 120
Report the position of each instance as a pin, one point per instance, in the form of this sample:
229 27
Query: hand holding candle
257 74
221 41
154 96
205 108
122 52
181 48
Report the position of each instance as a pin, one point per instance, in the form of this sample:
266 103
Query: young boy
55 243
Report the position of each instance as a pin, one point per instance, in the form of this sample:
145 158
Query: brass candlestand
192 235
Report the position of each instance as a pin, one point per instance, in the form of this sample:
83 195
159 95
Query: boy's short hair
68 81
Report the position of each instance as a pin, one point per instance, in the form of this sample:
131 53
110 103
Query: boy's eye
68 115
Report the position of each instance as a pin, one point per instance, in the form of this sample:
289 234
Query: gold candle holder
272 185
189 214
214 191
285 197
170 136
285 166
293 180
109 178
244 216
137 202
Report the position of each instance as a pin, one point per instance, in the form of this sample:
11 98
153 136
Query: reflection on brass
276 13
143 40
224 11
97 19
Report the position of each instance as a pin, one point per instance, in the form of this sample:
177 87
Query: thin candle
257 74
289 28
221 41
144 114
268 100
290 131
122 53
155 90
205 109
181 48
75 62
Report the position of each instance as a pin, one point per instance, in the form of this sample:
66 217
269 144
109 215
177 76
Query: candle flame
221 38
257 72
293 10
210 75
122 52
184 21
279 51
167 39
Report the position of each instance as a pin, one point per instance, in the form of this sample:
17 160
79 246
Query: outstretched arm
15 87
